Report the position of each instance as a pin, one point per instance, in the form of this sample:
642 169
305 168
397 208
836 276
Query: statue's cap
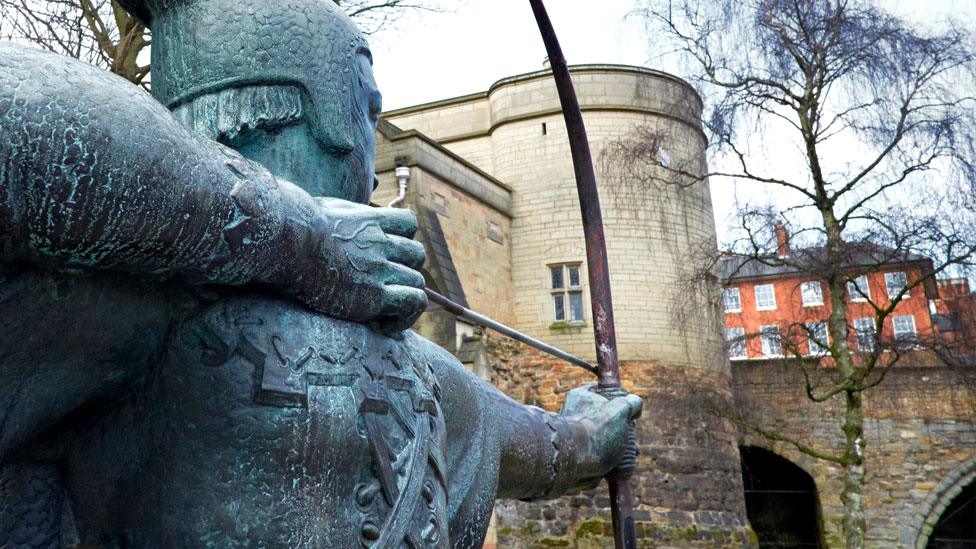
203 46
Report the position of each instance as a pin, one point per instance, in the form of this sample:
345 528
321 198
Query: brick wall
920 443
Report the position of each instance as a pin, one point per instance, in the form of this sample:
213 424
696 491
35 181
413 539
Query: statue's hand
606 422
363 265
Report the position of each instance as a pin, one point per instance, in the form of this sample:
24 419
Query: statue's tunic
265 422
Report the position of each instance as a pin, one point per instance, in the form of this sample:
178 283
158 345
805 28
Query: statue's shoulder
19 64
45 89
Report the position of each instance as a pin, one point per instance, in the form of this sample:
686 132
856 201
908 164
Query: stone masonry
689 485
920 443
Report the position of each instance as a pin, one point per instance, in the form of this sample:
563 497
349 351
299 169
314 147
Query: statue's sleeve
94 173
499 448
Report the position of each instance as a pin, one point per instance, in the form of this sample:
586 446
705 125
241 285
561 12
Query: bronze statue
202 325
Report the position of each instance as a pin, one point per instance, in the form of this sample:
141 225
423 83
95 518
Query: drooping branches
857 130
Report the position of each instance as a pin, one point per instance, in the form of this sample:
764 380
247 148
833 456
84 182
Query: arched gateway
947 518
781 500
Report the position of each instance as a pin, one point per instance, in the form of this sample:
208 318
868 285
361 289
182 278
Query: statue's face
294 152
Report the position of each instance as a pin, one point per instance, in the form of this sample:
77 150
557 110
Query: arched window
956 527
781 500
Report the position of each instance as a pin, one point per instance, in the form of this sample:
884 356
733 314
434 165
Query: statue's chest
320 432
373 412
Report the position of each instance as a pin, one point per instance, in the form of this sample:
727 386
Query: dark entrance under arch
781 500
956 528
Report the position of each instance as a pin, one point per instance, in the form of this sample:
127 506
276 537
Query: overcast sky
433 56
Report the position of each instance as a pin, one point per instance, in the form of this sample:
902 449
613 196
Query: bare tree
97 31
373 15
102 33
873 122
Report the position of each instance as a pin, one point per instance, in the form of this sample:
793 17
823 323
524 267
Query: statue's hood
203 46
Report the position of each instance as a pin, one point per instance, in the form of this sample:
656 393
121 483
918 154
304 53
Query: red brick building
774 308
955 316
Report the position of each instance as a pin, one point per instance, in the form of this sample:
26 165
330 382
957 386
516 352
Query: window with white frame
864 332
735 338
765 297
904 329
818 340
772 346
731 299
858 289
896 282
567 292
812 292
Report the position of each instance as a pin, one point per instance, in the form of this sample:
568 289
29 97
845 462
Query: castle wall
921 436
472 219
651 228
688 484
920 443
479 239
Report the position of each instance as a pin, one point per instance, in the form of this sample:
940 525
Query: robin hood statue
203 326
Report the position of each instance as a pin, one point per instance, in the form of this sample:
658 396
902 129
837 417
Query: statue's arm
528 453
95 174
545 455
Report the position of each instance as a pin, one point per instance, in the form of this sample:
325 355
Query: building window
771 344
812 292
818 340
765 297
858 289
896 282
905 329
730 297
735 338
567 292
864 331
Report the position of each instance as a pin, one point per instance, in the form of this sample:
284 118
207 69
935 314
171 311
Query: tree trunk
852 495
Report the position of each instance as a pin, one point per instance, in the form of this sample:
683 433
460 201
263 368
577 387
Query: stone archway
781 500
919 533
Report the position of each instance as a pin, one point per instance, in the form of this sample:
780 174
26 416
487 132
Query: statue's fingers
627 406
636 405
402 305
407 252
396 221
398 275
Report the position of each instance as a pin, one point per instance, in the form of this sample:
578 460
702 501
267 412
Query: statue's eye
375 104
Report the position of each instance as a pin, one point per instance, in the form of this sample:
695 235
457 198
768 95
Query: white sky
432 56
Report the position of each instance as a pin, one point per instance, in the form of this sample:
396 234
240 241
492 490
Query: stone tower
689 483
